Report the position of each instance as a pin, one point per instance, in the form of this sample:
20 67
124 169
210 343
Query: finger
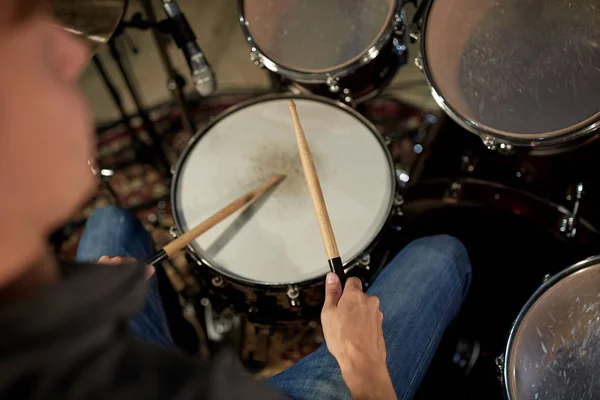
150 271
353 284
373 301
333 290
104 259
116 260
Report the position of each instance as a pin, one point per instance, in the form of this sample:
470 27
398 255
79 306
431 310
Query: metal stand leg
176 82
139 146
147 123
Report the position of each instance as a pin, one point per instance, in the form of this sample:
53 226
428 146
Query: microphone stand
176 82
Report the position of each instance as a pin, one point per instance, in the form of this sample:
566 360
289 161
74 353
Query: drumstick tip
277 178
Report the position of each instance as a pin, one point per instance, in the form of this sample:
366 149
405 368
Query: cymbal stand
126 120
158 152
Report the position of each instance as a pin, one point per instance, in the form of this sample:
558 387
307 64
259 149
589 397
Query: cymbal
94 20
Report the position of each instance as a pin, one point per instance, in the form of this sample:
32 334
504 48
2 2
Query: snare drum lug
546 277
365 260
332 83
173 232
293 294
218 281
398 203
255 58
398 200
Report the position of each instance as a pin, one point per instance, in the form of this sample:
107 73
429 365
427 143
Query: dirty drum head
276 241
554 346
519 72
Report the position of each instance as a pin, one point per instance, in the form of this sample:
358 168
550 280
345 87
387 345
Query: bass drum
513 241
514 218
553 351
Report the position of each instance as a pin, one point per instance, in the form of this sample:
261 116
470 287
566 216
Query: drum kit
521 75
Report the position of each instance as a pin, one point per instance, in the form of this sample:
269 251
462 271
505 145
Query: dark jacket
71 340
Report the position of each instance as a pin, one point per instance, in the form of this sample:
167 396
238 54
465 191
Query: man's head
45 131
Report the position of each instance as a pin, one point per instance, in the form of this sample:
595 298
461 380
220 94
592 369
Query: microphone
202 74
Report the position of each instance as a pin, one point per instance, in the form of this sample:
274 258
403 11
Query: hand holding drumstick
352 321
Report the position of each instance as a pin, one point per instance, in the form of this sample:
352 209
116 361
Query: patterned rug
138 186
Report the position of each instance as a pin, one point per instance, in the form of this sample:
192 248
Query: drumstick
173 247
316 194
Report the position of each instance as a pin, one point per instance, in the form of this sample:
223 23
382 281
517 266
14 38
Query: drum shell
455 153
270 303
356 81
366 81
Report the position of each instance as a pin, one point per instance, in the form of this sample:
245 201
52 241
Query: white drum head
277 240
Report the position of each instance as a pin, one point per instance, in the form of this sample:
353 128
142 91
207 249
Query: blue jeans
113 232
420 291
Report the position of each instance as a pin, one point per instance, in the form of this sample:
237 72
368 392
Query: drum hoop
475 182
581 265
198 136
395 17
564 135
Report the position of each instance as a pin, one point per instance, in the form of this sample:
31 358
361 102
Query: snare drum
346 49
516 72
553 351
269 257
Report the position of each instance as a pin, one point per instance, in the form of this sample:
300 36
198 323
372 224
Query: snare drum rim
564 135
270 97
395 19
587 263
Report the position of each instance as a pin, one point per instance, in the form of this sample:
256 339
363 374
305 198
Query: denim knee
109 214
452 251
121 224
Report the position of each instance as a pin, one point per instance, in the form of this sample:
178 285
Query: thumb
333 290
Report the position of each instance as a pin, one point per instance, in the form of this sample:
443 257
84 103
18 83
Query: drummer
64 326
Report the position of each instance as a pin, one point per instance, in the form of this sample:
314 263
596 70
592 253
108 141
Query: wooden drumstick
316 194
185 239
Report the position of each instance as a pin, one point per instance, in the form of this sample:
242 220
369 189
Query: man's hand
124 260
352 325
